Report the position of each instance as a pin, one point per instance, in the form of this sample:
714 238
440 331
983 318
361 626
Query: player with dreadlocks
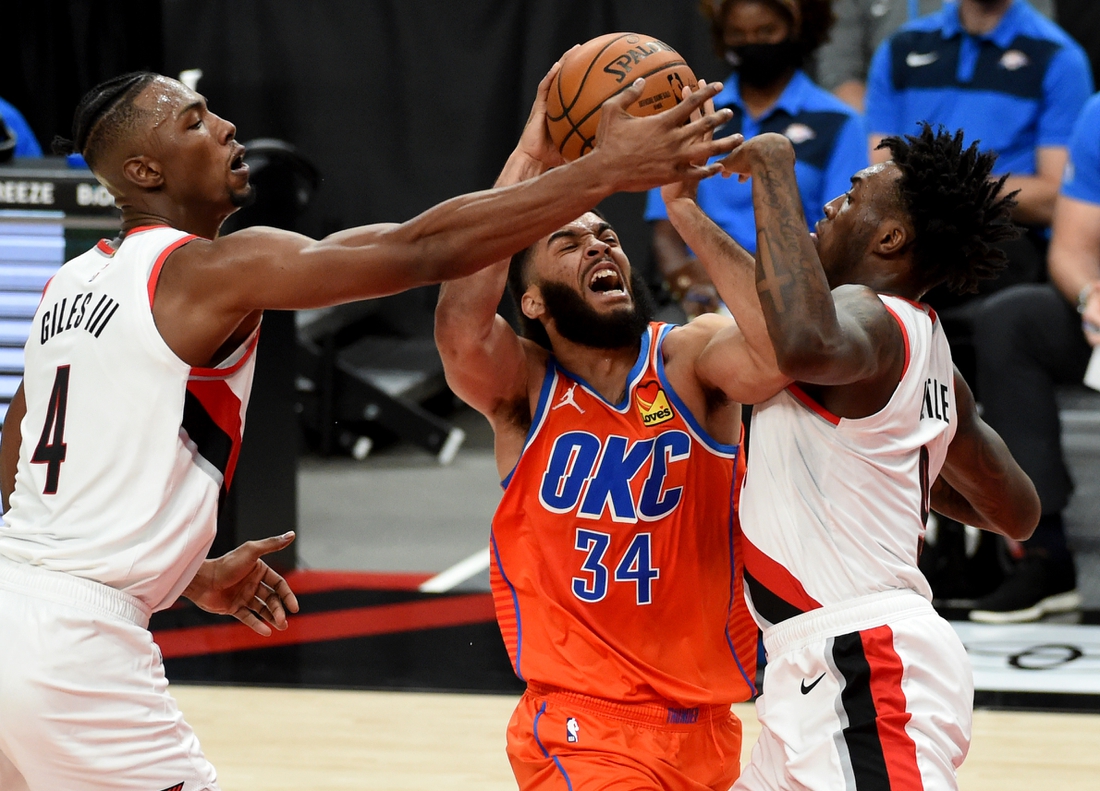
128 423
865 686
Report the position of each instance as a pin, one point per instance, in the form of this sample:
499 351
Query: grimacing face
585 256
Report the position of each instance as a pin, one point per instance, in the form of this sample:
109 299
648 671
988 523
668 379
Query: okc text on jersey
597 474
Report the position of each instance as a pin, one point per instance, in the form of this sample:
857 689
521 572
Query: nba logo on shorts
571 730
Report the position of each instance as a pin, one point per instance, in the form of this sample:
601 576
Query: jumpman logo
569 400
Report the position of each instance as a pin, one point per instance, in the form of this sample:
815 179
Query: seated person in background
1016 82
26 145
861 26
1028 339
1012 79
767 42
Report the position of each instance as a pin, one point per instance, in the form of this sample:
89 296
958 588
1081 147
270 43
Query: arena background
400 105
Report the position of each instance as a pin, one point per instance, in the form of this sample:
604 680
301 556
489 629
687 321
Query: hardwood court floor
288 739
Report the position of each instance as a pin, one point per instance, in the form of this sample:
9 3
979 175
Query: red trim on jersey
42 298
144 228
898 748
921 306
105 247
434 613
224 408
223 372
904 335
154 275
809 403
775 577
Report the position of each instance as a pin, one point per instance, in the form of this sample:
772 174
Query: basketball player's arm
739 359
483 358
980 483
227 279
820 336
9 444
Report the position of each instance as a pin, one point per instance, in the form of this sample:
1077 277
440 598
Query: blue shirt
1082 177
830 146
1017 88
26 145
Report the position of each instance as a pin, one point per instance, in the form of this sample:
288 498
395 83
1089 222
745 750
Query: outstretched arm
980 483
818 337
483 358
228 279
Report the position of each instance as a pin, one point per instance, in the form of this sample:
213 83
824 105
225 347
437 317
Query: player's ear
144 172
893 237
531 302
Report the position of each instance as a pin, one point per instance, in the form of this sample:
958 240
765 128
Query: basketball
602 68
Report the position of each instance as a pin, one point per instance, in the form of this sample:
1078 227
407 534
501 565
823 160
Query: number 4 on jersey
52 452
635 566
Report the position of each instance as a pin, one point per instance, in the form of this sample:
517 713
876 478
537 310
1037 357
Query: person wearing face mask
766 43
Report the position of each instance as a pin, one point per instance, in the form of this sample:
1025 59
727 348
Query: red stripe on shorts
898 748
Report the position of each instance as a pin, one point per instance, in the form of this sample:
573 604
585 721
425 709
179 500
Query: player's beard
579 322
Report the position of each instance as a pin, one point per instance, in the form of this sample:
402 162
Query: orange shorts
563 740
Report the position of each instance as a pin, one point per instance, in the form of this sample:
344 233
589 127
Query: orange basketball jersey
616 552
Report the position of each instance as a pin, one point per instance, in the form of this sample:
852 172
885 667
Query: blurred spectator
1013 80
1028 339
861 26
997 69
26 145
766 41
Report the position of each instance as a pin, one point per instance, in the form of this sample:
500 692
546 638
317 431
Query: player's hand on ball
686 189
640 153
535 142
240 584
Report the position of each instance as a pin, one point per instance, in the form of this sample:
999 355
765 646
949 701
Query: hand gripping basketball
640 153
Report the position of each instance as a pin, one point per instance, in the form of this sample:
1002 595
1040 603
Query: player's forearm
731 268
795 298
464 234
669 250
1035 201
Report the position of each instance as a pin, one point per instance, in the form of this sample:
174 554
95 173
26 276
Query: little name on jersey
597 473
935 404
78 312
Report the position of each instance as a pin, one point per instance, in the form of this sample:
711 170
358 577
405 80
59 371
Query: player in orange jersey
616 560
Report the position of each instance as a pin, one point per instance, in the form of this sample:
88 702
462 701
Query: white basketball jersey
126 448
834 508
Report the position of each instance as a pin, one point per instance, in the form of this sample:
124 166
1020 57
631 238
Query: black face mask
762 65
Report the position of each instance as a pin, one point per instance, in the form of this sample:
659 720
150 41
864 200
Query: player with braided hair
125 432
865 686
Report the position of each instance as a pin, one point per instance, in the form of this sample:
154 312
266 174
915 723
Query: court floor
327 740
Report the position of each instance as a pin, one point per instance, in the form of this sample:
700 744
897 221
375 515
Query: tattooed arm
820 336
980 483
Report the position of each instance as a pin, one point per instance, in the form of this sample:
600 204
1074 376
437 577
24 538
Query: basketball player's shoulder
690 339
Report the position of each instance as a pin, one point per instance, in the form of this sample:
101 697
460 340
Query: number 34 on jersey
619 481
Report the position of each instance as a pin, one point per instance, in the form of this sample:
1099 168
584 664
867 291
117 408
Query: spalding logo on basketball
602 68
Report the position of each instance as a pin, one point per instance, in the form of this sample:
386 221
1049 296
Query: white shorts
875 694
84 704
